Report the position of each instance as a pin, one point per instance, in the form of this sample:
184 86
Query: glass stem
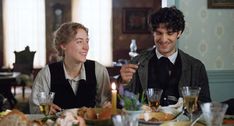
191 117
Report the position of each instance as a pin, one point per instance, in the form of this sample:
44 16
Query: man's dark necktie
163 71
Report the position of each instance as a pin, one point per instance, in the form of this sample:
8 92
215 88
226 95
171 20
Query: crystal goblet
153 97
214 112
190 95
45 99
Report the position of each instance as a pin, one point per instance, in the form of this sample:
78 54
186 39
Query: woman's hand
54 108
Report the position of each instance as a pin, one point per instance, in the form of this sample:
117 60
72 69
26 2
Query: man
165 66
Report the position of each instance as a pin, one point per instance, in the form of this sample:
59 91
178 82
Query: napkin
173 109
165 112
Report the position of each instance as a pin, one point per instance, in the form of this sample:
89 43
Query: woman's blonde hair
65 33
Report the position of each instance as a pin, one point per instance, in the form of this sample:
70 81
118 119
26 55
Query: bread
90 114
15 118
105 113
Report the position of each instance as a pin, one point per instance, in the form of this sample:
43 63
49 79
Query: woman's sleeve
41 83
103 85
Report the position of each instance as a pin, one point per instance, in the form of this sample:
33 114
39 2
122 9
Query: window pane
24 24
97 16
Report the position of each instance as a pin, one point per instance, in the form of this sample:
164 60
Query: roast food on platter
92 116
14 118
17 118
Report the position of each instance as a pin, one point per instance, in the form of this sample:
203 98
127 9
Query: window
96 15
168 3
24 25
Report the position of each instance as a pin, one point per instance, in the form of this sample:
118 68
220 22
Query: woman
77 82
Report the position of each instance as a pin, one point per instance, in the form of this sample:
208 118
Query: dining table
6 81
179 119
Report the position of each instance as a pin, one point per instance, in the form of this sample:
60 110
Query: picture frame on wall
222 4
135 20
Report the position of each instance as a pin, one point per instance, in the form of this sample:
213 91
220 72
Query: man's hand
127 72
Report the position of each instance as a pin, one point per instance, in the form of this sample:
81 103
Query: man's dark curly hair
170 16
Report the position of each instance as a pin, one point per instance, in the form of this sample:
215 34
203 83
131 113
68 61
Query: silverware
59 113
194 122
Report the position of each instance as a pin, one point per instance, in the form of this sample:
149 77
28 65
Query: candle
114 98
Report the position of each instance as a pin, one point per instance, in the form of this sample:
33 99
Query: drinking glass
45 99
190 95
154 96
213 113
124 120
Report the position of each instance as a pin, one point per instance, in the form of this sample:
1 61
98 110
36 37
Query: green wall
209 36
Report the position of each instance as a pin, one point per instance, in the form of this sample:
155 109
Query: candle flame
113 86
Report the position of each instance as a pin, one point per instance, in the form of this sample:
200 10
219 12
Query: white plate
6 73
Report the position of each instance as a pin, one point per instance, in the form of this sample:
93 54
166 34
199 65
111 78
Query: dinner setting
116 63
133 113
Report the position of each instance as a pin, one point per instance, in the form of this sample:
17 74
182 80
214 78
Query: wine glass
45 99
154 96
214 112
190 95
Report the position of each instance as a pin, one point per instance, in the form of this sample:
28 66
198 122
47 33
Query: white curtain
96 15
24 25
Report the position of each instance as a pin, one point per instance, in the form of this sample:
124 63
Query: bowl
103 117
99 122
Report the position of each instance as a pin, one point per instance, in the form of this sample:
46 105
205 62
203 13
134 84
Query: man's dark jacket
193 73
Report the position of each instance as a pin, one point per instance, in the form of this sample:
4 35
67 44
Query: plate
155 118
6 73
150 122
180 123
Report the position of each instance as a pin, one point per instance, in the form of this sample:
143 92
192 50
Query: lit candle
114 98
